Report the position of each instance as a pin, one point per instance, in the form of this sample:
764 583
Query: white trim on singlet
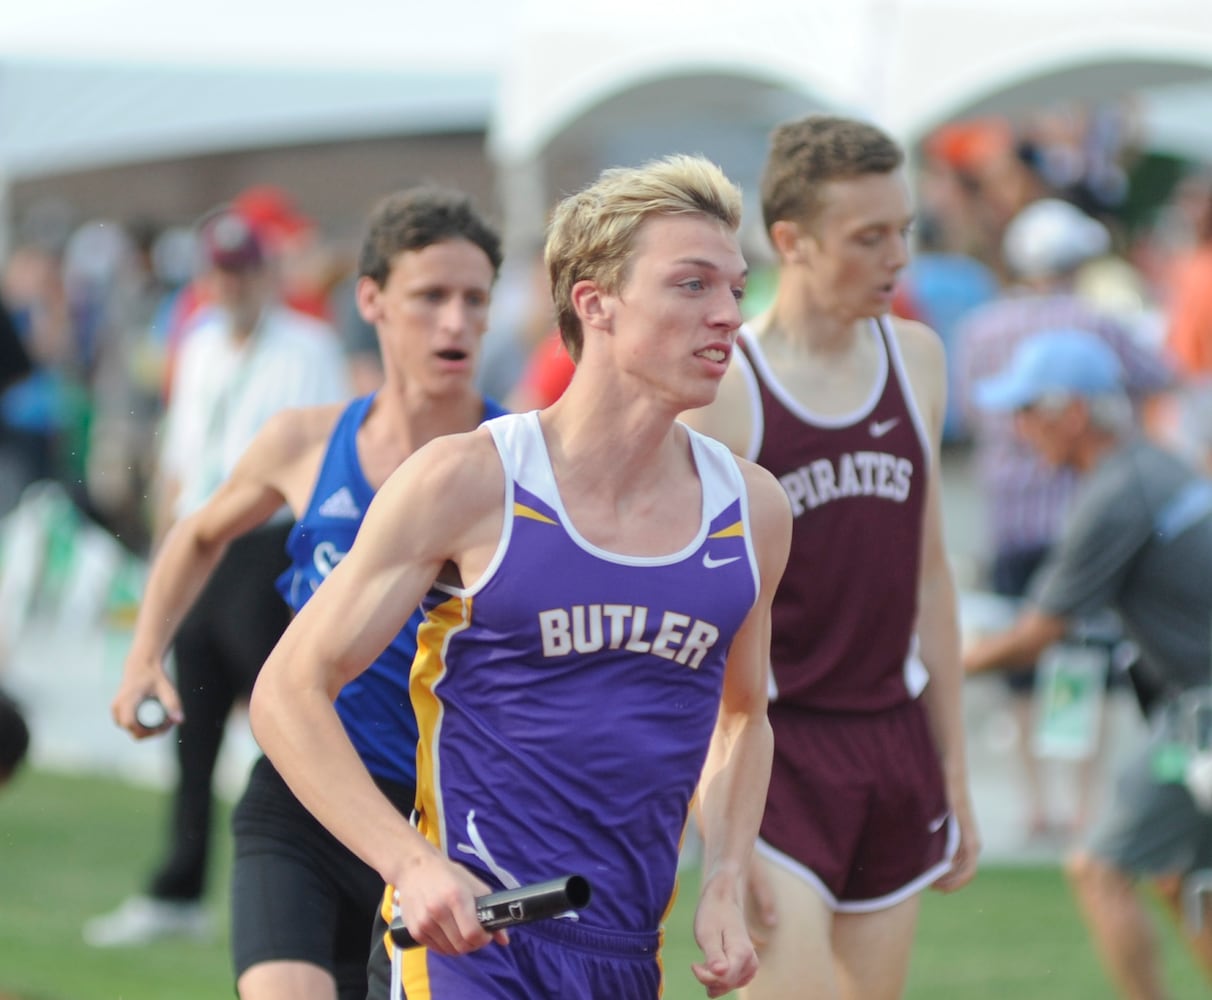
396 990
506 533
914 671
902 377
516 435
757 417
524 455
891 360
798 409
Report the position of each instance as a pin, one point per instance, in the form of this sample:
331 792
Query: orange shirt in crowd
1189 336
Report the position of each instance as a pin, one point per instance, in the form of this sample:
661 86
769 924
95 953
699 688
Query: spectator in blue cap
1053 363
1138 540
1024 498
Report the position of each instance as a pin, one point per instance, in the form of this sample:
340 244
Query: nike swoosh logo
937 824
879 428
713 563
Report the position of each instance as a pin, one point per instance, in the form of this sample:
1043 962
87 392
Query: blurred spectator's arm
1019 647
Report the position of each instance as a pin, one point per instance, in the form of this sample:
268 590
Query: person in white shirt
246 358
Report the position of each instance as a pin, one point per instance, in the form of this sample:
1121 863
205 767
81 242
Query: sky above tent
85 82
367 34
473 34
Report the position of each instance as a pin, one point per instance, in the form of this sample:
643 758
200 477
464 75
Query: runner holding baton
523 905
596 581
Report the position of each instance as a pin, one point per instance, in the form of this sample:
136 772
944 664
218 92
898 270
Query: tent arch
1082 63
628 110
526 119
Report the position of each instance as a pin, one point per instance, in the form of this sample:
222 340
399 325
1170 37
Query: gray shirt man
1139 540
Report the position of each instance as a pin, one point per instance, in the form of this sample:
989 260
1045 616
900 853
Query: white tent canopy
58 116
88 84
575 70
81 79
907 63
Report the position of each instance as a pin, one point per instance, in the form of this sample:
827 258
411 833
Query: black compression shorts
298 894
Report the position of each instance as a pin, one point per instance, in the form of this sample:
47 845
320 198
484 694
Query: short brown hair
419 217
807 153
592 233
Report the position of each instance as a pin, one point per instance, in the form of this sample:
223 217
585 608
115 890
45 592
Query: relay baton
522 905
150 713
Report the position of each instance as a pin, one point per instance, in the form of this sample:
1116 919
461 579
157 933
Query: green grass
1013 934
71 847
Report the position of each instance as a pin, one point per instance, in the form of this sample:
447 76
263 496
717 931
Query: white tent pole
881 48
6 217
522 185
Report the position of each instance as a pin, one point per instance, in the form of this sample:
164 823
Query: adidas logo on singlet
340 505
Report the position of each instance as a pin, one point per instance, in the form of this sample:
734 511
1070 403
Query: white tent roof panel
57 116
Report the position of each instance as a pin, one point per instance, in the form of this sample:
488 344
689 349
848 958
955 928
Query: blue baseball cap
1055 362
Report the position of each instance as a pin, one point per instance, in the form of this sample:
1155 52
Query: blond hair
592 234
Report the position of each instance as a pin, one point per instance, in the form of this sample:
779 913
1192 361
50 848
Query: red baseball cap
271 213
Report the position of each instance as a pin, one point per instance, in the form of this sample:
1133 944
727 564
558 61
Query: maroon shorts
857 804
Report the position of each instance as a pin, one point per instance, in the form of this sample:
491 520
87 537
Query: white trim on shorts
927 878
397 954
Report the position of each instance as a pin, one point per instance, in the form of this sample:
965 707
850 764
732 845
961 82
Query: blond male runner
868 798
597 580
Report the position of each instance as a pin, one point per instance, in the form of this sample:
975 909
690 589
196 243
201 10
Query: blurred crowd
102 308
1134 246
103 305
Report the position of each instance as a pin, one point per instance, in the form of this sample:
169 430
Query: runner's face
859 244
432 312
676 317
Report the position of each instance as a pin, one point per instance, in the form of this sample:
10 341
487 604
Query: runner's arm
938 607
735 776
187 558
440 505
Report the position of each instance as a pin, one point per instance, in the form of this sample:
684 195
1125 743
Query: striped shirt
1026 499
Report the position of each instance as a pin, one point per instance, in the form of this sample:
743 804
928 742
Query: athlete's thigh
794 955
287 981
297 894
282 909
871 950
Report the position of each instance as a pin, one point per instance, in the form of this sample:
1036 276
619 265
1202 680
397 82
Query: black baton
522 905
